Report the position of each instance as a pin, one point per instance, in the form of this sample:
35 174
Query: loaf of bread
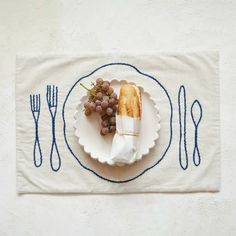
130 101
128 120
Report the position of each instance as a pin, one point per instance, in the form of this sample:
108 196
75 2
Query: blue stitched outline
64 129
182 93
196 124
52 101
35 104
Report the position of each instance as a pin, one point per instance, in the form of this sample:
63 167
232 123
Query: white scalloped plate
87 129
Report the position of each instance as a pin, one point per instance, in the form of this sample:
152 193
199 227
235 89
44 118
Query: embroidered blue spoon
196 114
35 109
183 153
52 100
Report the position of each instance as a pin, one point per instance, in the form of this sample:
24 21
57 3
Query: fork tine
53 95
51 98
49 95
31 102
39 103
34 102
56 95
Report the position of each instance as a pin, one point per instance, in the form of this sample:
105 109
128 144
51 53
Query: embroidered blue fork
196 117
52 100
35 109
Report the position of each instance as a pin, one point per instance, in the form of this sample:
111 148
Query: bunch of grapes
103 100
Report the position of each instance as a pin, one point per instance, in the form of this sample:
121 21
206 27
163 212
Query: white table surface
124 25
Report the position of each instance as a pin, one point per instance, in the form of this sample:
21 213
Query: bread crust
130 101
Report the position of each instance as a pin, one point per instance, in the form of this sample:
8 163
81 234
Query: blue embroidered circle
64 122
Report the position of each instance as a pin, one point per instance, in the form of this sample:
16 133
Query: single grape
99 95
105 98
107 82
110 90
104 130
103 112
109 111
99 81
98 109
112 120
92 106
104 104
101 132
112 128
114 108
87 112
105 86
104 117
113 95
105 123
86 105
98 103
112 102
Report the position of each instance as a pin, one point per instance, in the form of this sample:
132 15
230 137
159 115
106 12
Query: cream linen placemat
186 157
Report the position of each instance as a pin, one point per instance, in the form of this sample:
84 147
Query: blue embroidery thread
182 127
35 105
171 117
52 101
196 122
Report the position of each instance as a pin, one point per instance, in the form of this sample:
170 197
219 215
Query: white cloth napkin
124 147
186 157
